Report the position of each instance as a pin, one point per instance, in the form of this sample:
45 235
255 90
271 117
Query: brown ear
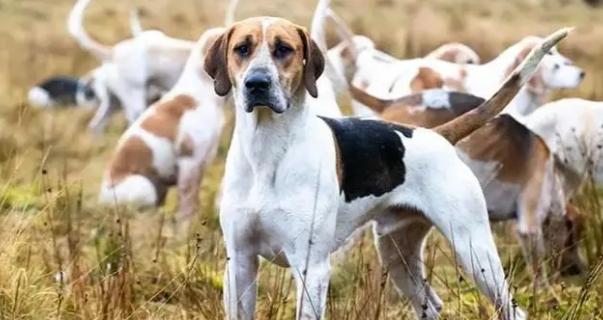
314 62
216 63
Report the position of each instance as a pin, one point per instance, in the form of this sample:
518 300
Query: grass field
63 256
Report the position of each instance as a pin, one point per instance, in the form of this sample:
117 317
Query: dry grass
62 256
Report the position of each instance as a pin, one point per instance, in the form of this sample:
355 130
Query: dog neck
264 137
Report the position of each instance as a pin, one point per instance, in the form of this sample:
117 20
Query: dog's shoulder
370 155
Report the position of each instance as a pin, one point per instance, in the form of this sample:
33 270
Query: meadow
62 256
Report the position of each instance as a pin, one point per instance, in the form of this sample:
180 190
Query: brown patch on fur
165 119
186 147
132 157
413 110
449 55
519 152
426 78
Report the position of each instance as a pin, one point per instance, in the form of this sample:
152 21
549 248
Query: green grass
117 263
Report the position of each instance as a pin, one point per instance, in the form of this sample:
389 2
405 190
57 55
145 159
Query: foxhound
383 78
297 185
61 91
573 130
129 67
514 165
171 143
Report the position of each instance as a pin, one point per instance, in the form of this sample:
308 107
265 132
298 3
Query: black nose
258 81
582 74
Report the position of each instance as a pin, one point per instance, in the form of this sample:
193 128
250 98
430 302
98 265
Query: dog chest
370 156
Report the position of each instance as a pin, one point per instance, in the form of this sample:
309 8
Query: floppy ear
216 63
314 62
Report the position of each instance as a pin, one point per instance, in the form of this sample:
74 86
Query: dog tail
374 103
229 16
75 26
135 24
344 32
317 28
464 125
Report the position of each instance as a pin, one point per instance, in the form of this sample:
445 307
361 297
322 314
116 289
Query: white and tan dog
296 185
171 143
513 164
130 67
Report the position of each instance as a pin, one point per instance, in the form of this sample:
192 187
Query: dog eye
550 53
556 66
242 50
282 51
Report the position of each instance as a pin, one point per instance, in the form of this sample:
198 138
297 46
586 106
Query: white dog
128 68
296 185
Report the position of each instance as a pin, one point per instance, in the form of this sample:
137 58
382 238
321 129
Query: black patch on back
371 155
61 89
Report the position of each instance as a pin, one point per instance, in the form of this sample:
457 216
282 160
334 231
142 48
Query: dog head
267 61
555 70
456 53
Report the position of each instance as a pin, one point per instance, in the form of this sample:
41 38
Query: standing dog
296 185
514 165
131 66
171 143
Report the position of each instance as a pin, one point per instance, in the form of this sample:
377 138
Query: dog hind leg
401 254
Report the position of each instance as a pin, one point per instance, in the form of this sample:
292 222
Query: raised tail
229 16
75 26
464 125
135 25
344 32
317 29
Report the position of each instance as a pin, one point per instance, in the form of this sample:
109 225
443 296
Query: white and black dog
296 186
61 91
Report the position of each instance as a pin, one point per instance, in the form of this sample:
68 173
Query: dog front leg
240 285
190 173
312 283
99 121
240 277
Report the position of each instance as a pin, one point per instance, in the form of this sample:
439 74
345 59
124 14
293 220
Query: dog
382 78
296 185
572 129
514 165
131 66
171 143
61 91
